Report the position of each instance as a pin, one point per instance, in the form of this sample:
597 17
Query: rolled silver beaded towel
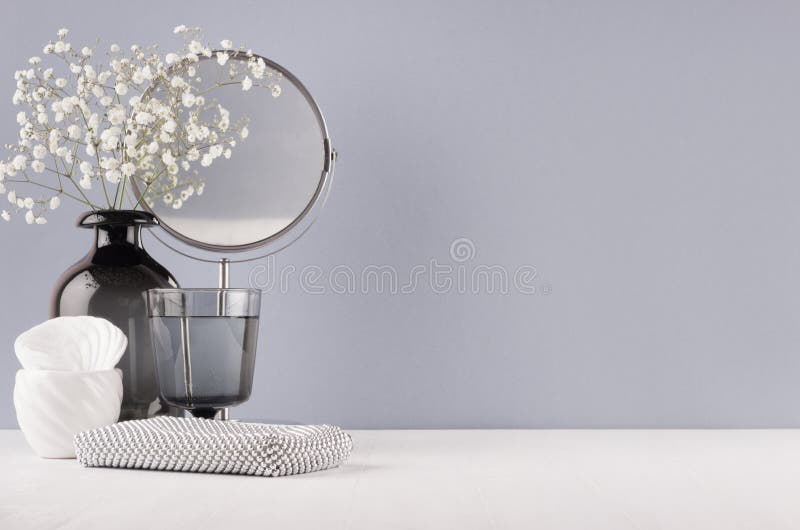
213 446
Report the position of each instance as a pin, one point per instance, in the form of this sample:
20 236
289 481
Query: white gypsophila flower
109 139
244 133
5 215
40 220
138 77
62 33
195 47
28 202
114 48
257 67
29 217
180 29
61 82
19 162
12 197
144 118
67 105
116 115
39 151
127 169
59 47
109 163
226 44
55 202
35 60
121 89
222 58
114 176
247 83
86 51
37 166
22 118
188 99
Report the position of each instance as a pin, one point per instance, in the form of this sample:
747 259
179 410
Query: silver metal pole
224 273
224 283
187 359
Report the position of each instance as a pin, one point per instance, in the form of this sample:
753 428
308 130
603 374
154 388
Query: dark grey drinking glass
204 342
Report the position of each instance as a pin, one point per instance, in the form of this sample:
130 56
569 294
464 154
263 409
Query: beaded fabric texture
213 446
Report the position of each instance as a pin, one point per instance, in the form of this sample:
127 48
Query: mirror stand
283 174
224 283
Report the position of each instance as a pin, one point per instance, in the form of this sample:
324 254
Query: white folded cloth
214 446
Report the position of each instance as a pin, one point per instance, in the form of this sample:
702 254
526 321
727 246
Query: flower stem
51 188
69 177
122 194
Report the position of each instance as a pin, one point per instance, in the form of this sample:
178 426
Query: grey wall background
642 156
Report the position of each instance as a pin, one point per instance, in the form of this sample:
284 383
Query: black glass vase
110 282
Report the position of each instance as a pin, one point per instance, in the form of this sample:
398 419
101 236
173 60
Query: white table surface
441 480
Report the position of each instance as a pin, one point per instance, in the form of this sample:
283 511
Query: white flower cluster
86 130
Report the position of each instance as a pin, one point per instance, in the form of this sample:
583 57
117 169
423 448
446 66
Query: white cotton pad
53 406
72 344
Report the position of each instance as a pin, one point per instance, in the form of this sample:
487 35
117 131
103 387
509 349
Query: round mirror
258 177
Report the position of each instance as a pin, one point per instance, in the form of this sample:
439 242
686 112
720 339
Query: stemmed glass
205 346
